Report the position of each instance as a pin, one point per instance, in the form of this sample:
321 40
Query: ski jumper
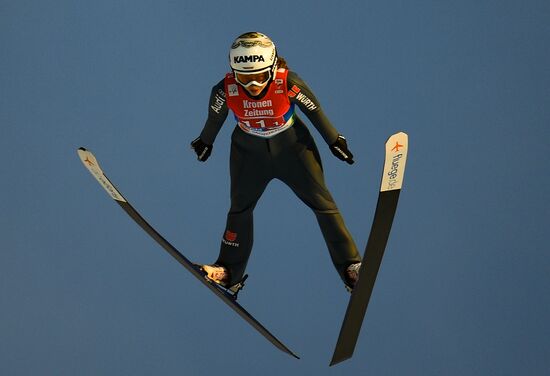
271 142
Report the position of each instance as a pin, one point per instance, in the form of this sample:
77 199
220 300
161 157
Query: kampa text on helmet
248 59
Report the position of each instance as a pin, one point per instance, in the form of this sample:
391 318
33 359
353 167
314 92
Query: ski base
227 296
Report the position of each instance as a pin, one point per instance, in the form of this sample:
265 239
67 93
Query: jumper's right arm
217 113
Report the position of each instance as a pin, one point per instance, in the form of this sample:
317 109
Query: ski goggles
253 78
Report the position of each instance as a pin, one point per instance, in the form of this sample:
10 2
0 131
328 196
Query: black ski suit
290 156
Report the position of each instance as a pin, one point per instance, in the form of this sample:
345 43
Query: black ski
226 296
392 179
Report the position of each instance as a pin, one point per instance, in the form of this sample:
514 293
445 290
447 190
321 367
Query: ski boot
352 275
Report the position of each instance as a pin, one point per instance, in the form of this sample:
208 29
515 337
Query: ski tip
84 153
394 165
91 163
399 134
87 158
397 142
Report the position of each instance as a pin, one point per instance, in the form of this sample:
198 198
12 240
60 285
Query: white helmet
253 53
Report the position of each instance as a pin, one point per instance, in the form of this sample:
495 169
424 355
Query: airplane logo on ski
88 161
397 146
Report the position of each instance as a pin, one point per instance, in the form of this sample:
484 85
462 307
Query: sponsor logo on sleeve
295 91
219 101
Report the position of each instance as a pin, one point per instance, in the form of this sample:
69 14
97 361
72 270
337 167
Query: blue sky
463 287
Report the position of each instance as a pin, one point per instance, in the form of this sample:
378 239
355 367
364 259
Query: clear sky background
464 285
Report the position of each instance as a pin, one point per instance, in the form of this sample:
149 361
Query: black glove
203 150
341 151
